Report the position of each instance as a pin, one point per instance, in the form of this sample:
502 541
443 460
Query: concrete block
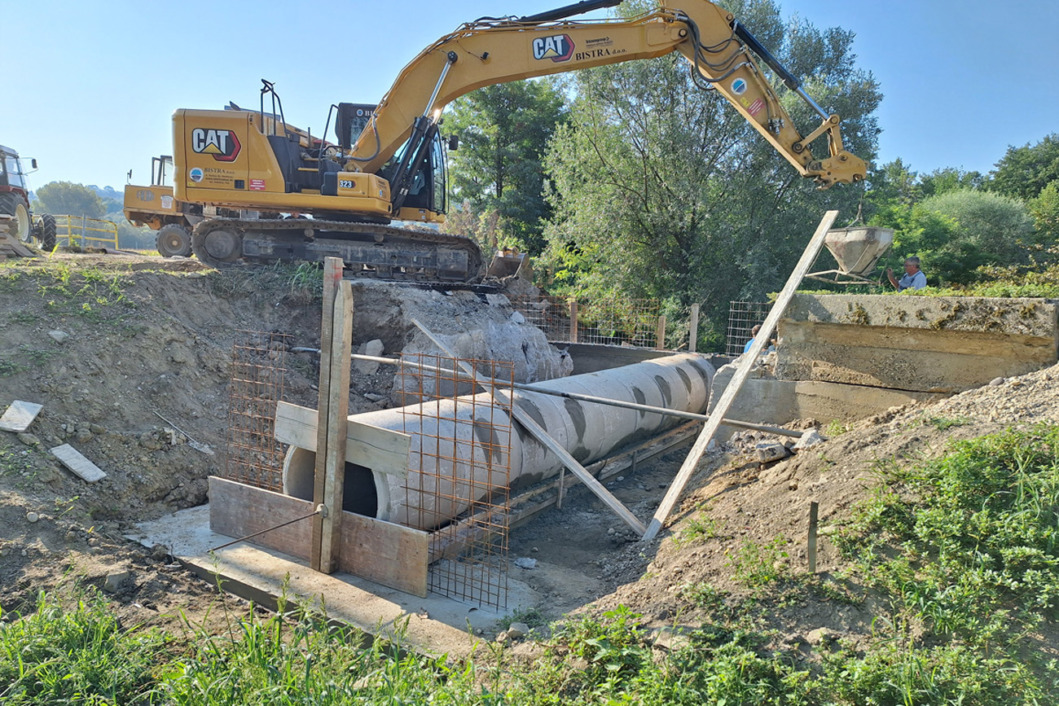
923 344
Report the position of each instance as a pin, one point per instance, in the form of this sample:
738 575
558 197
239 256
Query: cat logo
222 144
558 47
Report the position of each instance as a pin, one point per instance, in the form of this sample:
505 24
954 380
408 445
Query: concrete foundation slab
432 625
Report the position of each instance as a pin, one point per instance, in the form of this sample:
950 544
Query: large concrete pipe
457 444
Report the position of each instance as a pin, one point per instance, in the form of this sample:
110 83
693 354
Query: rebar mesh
632 322
742 317
256 385
460 472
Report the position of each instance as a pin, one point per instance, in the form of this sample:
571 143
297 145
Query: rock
526 563
768 452
503 638
497 300
150 441
996 382
517 317
32 517
117 582
59 336
29 439
160 552
517 631
373 348
372 397
820 636
808 438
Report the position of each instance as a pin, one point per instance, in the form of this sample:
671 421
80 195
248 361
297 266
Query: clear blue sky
90 87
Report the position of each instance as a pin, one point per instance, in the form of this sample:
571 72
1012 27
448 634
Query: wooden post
660 333
336 342
814 513
550 443
676 488
573 321
693 329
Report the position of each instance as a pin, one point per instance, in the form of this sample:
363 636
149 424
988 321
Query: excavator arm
490 51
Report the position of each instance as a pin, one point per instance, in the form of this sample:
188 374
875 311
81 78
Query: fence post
693 329
573 321
660 333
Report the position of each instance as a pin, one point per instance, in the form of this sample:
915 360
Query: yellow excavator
270 191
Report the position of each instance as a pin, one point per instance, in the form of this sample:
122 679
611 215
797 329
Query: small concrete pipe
456 443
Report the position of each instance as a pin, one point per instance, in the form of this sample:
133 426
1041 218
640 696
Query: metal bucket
858 249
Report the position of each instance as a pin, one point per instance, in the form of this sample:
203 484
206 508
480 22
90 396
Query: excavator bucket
858 249
508 263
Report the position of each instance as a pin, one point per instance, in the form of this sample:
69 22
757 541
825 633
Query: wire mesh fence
742 318
550 314
258 371
460 472
628 322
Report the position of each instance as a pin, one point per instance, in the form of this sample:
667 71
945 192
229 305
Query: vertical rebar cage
256 385
461 458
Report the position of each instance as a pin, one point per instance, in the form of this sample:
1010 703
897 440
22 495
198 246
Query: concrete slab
434 625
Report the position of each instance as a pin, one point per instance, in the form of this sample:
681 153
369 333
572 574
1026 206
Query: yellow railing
85 232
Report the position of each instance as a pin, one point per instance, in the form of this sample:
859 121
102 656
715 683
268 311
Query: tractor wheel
13 205
173 241
45 232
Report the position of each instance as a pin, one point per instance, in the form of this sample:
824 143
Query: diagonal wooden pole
550 443
676 488
336 342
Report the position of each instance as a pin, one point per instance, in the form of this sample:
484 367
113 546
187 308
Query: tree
1045 212
662 190
942 181
1023 172
503 131
959 231
65 198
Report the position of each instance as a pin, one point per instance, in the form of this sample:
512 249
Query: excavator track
367 249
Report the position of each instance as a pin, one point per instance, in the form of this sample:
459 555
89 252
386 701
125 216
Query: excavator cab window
427 186
351 120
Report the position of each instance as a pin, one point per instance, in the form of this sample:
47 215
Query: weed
24 317
8 368
703 596
943 423
532 617
696 529
836 427
755 565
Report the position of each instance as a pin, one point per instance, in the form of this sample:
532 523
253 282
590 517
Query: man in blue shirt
913 279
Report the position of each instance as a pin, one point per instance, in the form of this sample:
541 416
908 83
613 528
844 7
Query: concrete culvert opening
359 493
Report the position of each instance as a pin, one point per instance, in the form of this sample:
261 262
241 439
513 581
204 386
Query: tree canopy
1023 172
660 189
66 198
503 131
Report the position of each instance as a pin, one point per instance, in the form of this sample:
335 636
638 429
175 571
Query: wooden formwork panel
388 554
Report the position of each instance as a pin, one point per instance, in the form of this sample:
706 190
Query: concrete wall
924 344
847 357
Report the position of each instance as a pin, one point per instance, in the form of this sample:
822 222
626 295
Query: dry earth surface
108 343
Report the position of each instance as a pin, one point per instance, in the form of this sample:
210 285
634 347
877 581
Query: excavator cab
423 175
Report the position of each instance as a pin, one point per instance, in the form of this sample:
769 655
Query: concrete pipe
457 445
